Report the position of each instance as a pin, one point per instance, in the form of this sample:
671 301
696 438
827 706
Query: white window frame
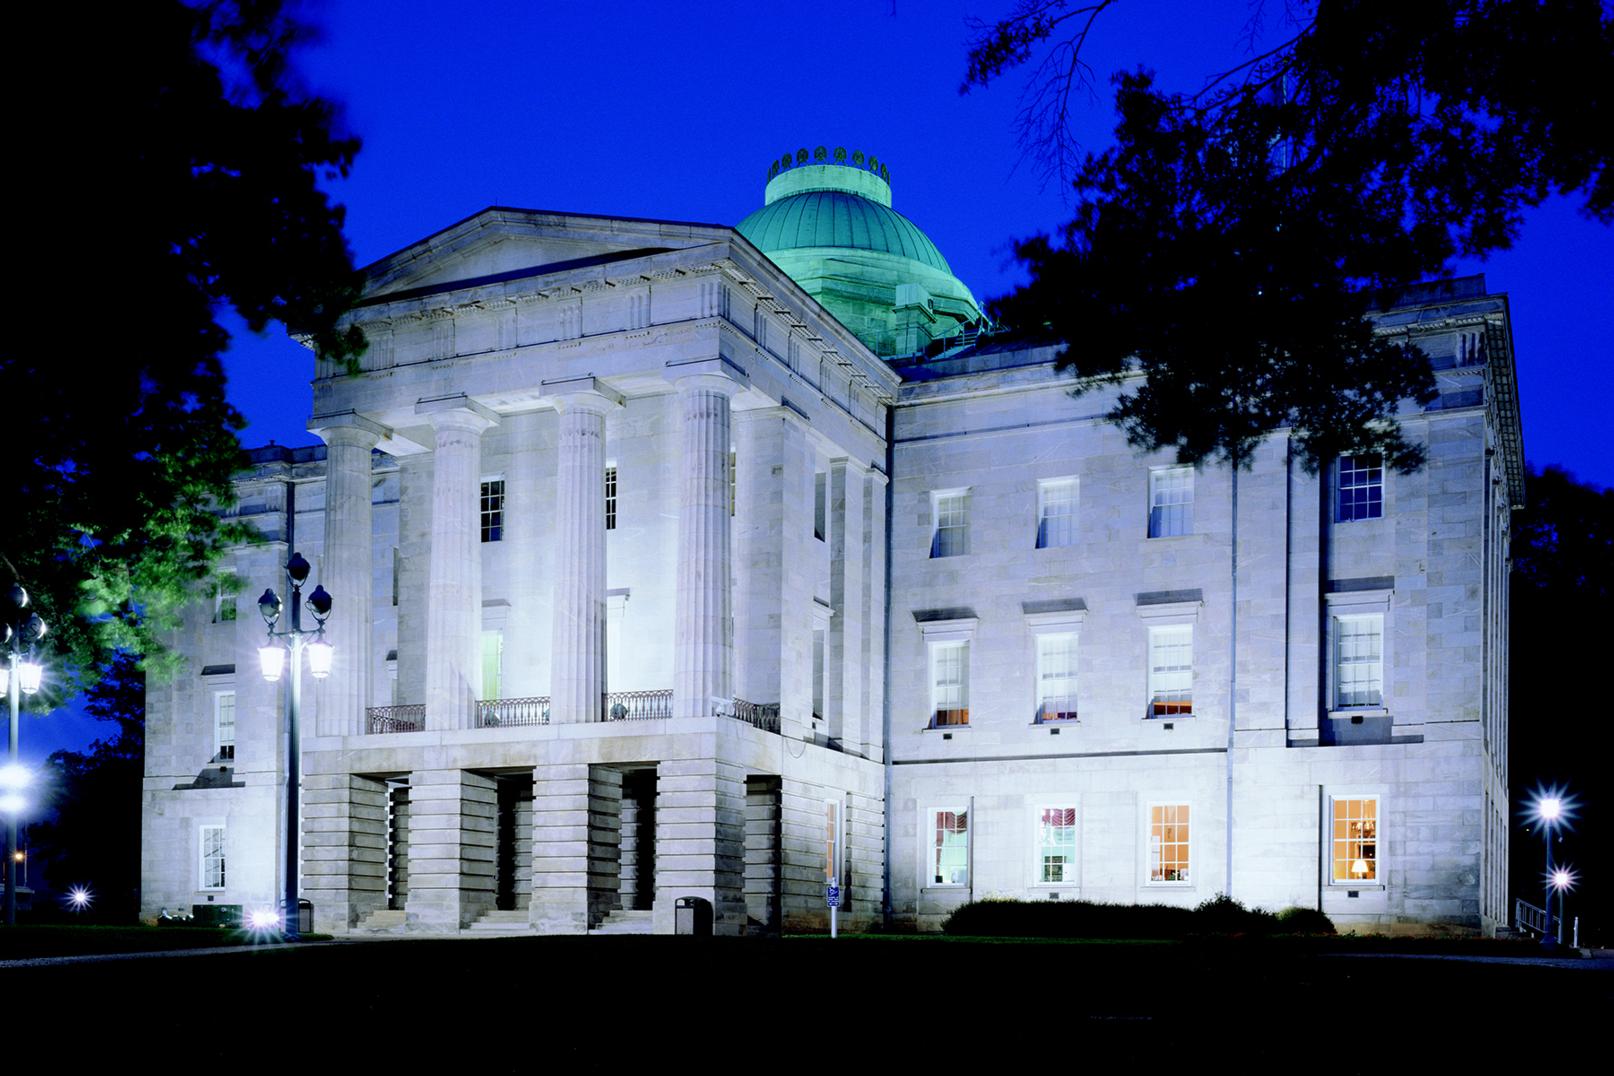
218 734
1148 843
1073 872
939 634
1155 476
483 496
1064 622
201 859
963 529
1356 604
497 635
223 600
928 852
611 484
1377 881
1338 475
1068 519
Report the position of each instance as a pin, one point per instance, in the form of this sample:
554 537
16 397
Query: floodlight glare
263 919
79 898
15 777
1551 808
1563 878
12 803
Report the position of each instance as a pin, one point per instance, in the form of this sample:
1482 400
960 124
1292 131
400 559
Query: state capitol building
662 552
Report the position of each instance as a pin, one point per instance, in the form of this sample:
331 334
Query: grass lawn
71 939
543 1005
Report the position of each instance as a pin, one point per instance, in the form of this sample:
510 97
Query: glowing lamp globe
29 676
14 777
5 680
1551 808
319 658
272 659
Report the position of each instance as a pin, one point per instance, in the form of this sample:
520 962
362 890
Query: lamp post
1561 879
272 660
1550 810
21 675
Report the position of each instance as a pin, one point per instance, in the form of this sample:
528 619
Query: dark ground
622 1004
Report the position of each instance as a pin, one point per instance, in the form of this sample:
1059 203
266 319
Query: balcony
410 717
638 705
762 715
534 710
508 713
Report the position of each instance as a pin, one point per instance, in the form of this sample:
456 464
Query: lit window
492 509
1171 671
610 498
492 663
949 684
1056 513
1359 660
952 524
1056 677
950 854
1171 501
224 724
1360 489
1056 846
1168 842
820 505
212 868
1355 841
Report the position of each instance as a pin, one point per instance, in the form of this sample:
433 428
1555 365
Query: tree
169 162
1233 243
92 837
1562 594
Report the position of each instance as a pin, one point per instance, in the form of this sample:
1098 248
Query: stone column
454 570
700 841
703 640
845 679
452 819
577 663
347 568
344 848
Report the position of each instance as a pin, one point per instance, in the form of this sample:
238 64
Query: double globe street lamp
1551 810
20 633
272 660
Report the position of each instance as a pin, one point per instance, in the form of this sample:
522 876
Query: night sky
673 111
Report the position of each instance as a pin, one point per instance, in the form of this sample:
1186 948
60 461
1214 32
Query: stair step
627 921
382 920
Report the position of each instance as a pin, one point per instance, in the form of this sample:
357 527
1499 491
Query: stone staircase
383 921
622 921
501 922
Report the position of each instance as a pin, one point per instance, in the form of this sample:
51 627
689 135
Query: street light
1552 809
20 633
272 661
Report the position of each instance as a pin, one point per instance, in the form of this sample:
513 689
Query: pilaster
344 848
846 681
560 849
700 841
452 822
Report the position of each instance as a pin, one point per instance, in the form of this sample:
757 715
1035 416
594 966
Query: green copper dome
827 222
837 219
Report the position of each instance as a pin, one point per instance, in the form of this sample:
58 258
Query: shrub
1304 921
1222 914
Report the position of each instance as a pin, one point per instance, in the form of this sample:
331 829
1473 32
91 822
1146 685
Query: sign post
832 863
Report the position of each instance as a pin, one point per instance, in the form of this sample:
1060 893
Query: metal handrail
1527 916
409 717
762 715
638 705
509 713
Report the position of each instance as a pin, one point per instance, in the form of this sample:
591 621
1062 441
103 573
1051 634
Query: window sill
1171 537
1376 887
1150 719
1059 723
1366 711
944 728
955 887
1168 885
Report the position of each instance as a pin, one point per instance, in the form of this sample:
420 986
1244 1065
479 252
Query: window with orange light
1168 842
1355 841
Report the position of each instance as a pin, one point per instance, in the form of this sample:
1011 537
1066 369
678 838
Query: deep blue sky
673 110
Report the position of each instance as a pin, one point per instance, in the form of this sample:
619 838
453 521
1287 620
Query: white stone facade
562 700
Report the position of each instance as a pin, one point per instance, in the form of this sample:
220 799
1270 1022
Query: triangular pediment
502 244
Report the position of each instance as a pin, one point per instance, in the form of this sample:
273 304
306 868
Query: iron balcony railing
762 715
507 713
410 717
638 705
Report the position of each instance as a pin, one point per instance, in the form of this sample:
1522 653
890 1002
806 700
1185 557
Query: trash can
693 916
305 916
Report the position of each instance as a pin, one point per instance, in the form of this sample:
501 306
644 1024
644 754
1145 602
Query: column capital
456 411
717 374
348 427
585 393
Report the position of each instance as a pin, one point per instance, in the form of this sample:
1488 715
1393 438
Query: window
949 684
1056 677
492 509
212 866
610 498
820 505
1360 489
1056 513
1355 841
734 479
1056 846
1168 842
951 510
224 724
1171 671
950 855
1171 501
1358 660
492 663
223 606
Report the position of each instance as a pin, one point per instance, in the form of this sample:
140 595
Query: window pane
224 723
1361 488
950 684
1056 513
1171 671
950 856
212 857
610 499
1171 502
952 525
1168 843
1056 677
1359 660
1056 845
493 510
1355 840
492 663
